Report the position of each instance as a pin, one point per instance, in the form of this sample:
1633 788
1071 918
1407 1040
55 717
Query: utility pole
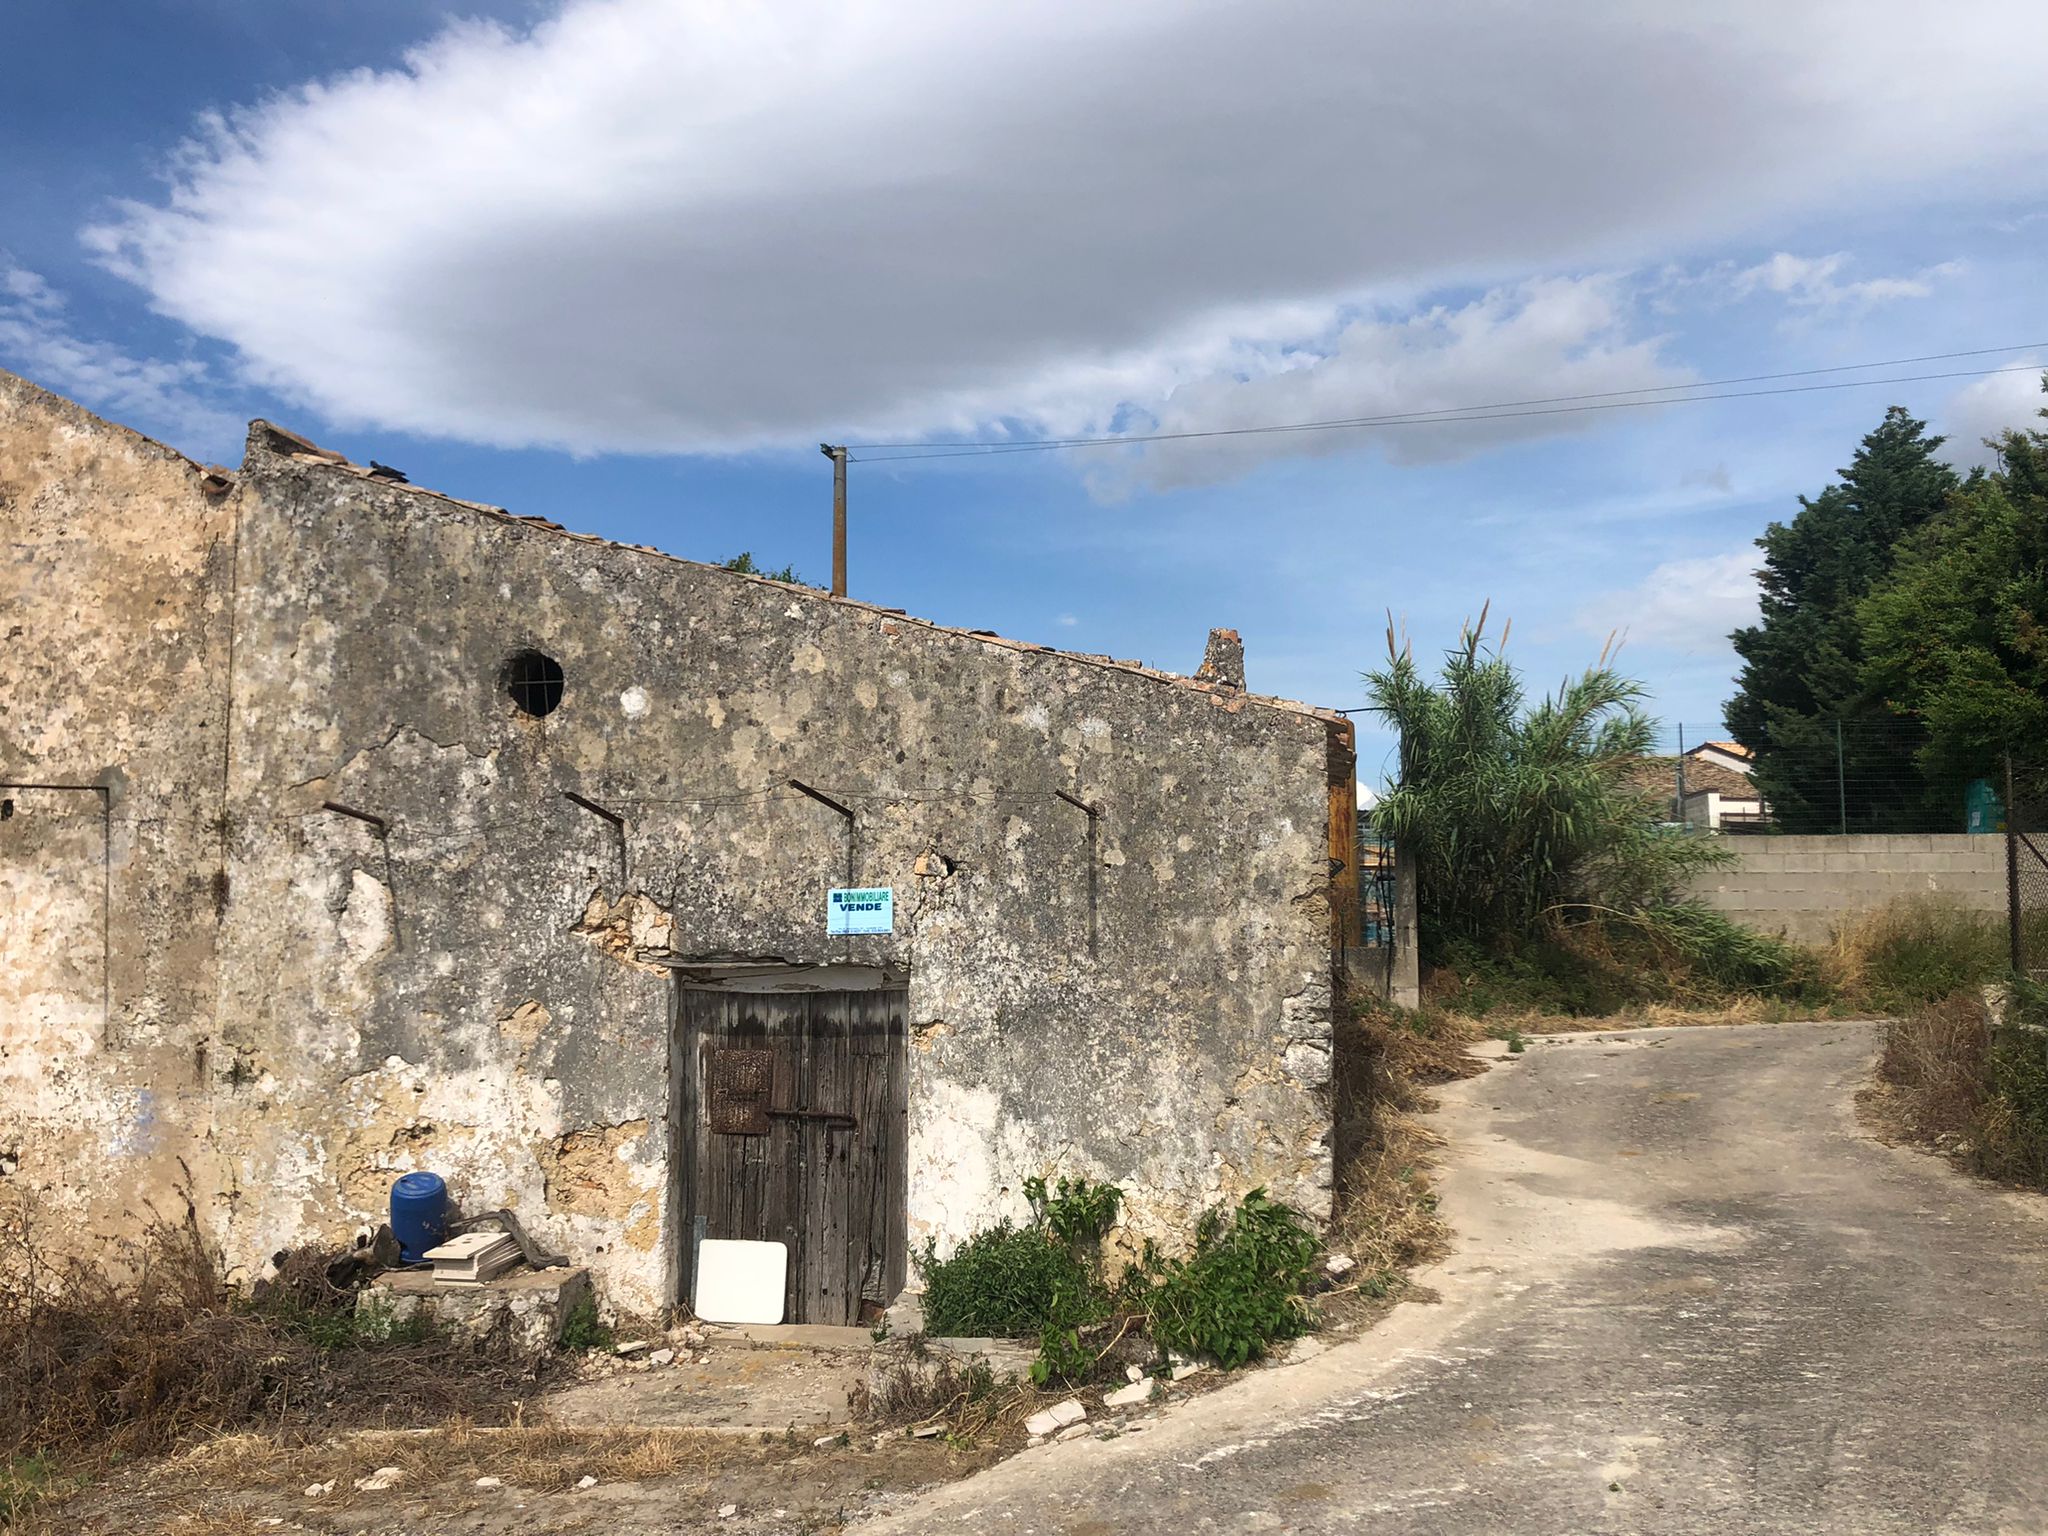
837 454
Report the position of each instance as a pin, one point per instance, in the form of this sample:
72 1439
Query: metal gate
794 1118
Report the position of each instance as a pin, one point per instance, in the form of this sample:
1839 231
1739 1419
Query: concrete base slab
790 1335
747 1387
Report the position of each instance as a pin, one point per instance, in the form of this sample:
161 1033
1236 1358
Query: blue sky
624 263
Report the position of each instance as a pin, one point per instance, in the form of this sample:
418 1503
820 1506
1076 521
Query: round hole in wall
534 681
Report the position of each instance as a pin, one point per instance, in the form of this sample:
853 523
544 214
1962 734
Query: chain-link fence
1821 776
2026 869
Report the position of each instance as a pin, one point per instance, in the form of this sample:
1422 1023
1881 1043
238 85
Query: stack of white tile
473 1258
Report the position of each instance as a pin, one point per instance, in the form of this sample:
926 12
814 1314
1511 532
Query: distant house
1708 786
1732 755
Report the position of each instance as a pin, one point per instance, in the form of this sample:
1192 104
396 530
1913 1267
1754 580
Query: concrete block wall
1803 886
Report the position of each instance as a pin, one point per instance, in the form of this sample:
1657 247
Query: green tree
1523 818
743 562
1956 637
1802 693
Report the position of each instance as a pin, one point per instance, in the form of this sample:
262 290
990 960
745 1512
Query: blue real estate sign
860 911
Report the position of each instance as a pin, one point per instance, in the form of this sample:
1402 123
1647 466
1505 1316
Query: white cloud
1689 605
166 398
1987 407
1814 282
1536 341
656 225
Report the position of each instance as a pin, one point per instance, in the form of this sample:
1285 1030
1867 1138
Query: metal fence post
2012 872
1841 782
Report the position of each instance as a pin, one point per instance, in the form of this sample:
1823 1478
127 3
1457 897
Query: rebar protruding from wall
618 825
1094 813
382 828
830 804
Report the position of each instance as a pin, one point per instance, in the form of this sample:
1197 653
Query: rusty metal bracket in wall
1094 813
106 889
832 805
618 825
382 828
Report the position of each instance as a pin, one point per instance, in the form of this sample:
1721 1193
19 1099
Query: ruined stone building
347 828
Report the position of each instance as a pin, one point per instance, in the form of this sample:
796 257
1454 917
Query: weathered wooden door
795 1132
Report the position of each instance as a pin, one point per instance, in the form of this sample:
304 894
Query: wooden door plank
894 1155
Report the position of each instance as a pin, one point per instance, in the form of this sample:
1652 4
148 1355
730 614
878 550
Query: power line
1553 405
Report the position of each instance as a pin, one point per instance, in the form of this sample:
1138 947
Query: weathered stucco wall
1804 886
115 564
481 993
472 981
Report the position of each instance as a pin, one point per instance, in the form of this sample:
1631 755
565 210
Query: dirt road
1688 1296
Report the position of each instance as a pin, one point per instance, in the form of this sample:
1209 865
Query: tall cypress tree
1957 635
1803 687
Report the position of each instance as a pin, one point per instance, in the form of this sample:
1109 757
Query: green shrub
1514 812
1007 1282
1716 949
1683 952
1240 1290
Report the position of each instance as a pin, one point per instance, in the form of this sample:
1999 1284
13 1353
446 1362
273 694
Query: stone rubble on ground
382 1478
822 1441
489 1482
1183 1369
1134 1373
1072 1432
1132 1396
1057 1417
586 1481
631 1347
1338 1265
727 1511
317 1490
927 1431
661 1357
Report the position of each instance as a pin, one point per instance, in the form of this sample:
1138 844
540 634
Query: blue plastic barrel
419 1214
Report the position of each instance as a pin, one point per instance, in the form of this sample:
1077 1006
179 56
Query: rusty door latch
834 1119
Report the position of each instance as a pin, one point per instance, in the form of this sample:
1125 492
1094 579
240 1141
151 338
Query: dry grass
1976 1090
1386 1207
146 1350
1913 951
1935 1061
233 1484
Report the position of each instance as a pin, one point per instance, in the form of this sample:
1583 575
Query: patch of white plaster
365 922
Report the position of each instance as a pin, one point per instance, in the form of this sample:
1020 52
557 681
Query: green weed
23 1480
583 1328
1239 1292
